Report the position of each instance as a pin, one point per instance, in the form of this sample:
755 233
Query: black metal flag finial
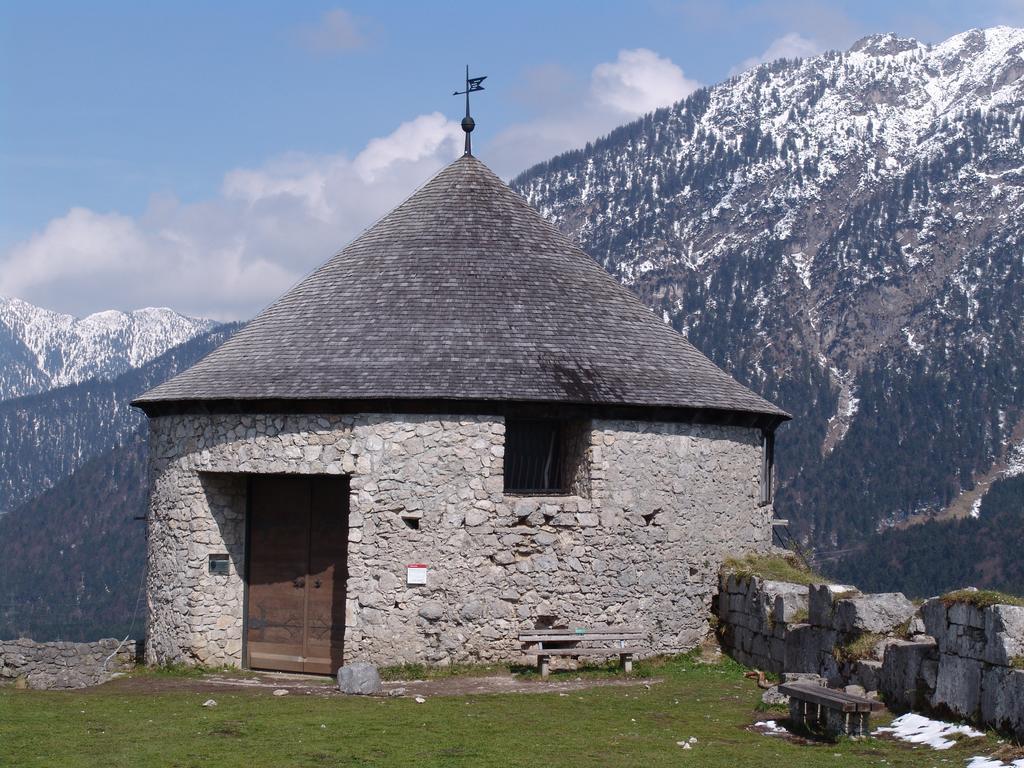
468 124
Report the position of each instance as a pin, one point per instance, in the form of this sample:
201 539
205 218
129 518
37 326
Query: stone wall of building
948 657
64 665
640 543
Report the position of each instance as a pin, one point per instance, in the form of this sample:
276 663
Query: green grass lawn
119 725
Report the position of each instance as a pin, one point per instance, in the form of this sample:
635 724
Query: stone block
867 673
879 613
904 682
934 615
819 605
788 600
958 686
806 677
736 585
431 610
360 678
1004 634
773 698
808 647
966 615
1002 700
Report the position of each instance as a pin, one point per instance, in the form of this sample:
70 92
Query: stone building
457 428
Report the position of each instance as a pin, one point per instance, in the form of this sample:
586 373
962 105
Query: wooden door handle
316 584
299 583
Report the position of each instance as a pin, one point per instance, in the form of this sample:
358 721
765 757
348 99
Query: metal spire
468 124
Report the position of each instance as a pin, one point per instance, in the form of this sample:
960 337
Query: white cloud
789 46
640 81
336 32
228 256
637 82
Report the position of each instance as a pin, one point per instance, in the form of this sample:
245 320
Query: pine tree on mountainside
839 232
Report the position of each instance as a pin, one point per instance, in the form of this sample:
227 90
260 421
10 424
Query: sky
205 156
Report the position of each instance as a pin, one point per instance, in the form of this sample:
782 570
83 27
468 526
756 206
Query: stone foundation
657 506
64 665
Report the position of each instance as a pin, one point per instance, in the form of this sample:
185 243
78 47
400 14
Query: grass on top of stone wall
860 647
787 568
981 598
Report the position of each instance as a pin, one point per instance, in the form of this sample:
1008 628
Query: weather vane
472 84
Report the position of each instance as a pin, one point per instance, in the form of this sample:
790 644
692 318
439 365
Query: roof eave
764 419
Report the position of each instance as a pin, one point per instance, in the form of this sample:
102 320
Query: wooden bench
575 642
835 712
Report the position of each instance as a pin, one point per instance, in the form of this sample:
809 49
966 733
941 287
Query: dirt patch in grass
265 683
475 685
144 680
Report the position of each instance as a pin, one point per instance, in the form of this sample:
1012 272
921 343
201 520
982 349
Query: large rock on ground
360 677
879 613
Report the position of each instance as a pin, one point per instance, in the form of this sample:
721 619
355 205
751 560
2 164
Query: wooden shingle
462 292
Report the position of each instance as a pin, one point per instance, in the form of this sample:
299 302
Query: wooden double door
298 548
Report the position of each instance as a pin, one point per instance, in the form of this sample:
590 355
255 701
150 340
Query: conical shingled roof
462 292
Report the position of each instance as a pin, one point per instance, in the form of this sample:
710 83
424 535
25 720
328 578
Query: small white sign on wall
416 573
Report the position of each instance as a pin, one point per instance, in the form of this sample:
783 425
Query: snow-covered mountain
845 233
41 350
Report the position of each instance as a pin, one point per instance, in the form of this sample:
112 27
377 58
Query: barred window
534 456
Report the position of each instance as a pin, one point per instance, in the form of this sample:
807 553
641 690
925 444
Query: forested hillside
843 234
74 558
935 557
74 472
46 437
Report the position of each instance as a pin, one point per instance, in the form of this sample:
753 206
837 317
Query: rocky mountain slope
844 234
41 350
46 437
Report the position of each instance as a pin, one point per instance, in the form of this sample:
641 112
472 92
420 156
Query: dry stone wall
954 659
658 505
977 650
63 664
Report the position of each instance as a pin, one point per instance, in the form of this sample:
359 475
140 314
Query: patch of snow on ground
991 762
914 345
770 727
976 509
918 729
1015 460
802 264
